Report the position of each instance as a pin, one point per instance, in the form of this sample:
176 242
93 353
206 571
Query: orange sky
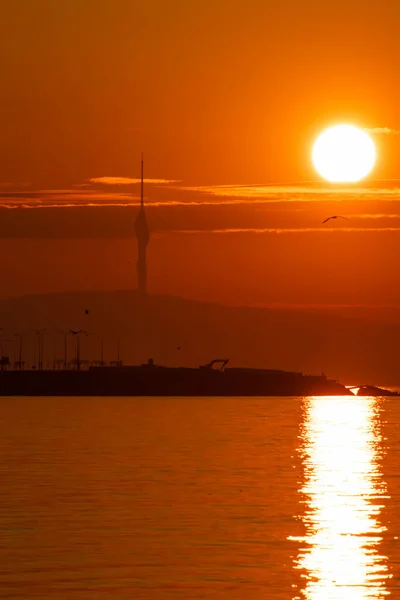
215 93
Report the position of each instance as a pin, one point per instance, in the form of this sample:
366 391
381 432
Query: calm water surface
162 498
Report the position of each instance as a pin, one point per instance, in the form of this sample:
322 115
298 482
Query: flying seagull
86 311
334 217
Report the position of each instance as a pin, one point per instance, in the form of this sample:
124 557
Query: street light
77 333
20 336
40 333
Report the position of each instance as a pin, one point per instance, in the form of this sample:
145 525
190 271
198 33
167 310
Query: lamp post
5 359
77 333
100 362
19 363
40 334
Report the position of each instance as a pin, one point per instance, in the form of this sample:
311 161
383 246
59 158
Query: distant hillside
353 350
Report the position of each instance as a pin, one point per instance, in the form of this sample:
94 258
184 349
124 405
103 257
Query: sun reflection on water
343 492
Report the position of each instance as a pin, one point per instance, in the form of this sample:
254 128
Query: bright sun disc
343 153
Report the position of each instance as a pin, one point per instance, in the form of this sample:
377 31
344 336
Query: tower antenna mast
141 186
142 236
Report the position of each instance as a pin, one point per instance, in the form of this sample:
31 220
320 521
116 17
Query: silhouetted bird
178 348
75 331
334 217
86 311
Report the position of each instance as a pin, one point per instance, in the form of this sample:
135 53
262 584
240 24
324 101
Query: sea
220 498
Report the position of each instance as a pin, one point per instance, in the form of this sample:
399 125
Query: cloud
324 307
129 181
382 130
10 184
76 197
213 196
374 216
66 198
293 193
279 230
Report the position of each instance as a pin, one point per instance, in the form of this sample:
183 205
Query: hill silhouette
175 331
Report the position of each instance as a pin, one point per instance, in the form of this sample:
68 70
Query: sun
343 154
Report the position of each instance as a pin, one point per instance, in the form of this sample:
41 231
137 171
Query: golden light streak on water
344 492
